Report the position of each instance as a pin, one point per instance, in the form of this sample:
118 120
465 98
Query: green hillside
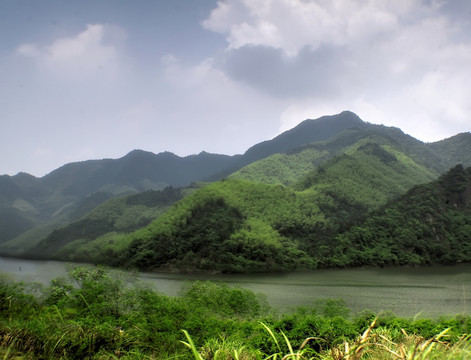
285 169
105 224
288 168
455 149
238 225
282 212
430 224
31 207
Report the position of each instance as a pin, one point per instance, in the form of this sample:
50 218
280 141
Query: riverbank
97 314
428 292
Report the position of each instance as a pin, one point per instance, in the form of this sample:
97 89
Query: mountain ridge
55 196
344 178
34 207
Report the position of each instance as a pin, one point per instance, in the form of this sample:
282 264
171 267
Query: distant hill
285 203
118 215
278 213
240 225
32 206
289 167
455 149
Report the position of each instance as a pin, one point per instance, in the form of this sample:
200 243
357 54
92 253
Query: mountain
32 207
240 225
283 211
118 215
306 132
289 167
455 149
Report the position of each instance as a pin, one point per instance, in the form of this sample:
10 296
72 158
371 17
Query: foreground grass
96 314
373 344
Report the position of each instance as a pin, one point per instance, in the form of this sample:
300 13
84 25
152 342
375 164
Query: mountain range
285 203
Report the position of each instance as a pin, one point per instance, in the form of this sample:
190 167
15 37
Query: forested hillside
431 224
290 167
107 222
237 225
298 208
32 207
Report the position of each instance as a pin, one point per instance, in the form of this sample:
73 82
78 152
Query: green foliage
455 149
87 238
95 314
287 211
285 169
222 300
260 227
430 224
231 225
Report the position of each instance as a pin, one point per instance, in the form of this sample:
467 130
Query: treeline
97 314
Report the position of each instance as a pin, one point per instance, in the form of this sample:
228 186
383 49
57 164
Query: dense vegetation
240 225
106 223
236 225
97 314
431 224
312 200
42 204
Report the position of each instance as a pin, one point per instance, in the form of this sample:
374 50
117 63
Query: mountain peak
304 133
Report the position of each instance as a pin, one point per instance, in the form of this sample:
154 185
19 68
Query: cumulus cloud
94 49
291 25
404 62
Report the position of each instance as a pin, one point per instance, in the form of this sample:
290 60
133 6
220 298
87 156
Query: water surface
430 291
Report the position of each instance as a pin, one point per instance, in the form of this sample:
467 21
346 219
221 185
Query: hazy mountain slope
306 132
31 206
17 215
118 215
53 198
137 171
37 204
455 150
333 168
429 224
290 167
334 184
33 234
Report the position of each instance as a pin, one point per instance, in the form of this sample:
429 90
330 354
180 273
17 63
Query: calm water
431 291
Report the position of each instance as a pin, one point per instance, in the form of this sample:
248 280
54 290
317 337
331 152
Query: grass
372 344
99 315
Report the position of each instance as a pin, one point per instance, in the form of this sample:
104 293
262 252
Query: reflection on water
430 291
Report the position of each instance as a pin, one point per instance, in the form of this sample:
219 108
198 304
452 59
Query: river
426 292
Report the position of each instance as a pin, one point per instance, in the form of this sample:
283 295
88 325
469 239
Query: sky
88 79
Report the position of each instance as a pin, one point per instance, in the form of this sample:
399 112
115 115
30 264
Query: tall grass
372 344
96 315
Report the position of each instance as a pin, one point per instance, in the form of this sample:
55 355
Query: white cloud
291 25
95 49
402 63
